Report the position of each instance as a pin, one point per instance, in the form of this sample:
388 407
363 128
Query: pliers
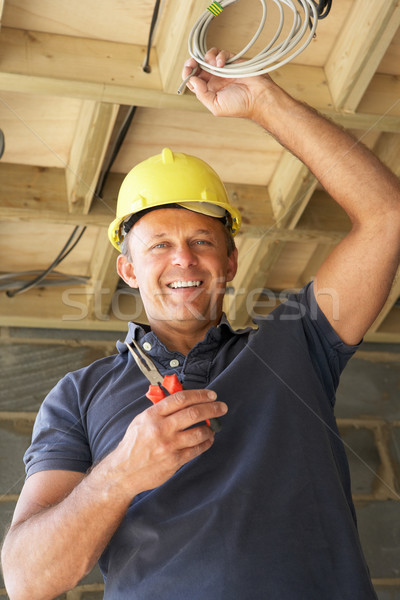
160 386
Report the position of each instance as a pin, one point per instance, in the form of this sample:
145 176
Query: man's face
180 265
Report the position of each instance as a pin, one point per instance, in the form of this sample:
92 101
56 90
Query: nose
184 256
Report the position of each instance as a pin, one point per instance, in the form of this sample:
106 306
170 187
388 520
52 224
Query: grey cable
277 52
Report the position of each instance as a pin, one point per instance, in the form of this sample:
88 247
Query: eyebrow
197 232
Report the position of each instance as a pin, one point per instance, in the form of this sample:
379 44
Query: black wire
2 143
323 8
73 245
117 145
146 65
61 255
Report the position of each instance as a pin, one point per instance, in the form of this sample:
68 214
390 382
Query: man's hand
222 96
163 438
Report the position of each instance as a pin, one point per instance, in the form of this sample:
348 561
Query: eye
202 243
159 246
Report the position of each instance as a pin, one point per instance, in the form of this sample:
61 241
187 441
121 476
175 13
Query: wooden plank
359 48
394 295
62 309
254 205
75 59
172 41
387 148
123 21
290 189
237 149
103 278
323 213
39 194
39 129
249 279
379 108
94 128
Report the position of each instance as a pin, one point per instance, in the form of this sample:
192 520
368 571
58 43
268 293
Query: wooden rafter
394 295
387 148
103 278
172 44
40 194
359 48
290 189
43 63
95 124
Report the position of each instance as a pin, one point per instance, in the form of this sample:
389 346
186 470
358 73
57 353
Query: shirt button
174 363
147 346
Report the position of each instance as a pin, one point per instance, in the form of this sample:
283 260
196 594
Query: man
262 509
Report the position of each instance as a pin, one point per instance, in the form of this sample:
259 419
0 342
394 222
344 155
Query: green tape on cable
215 8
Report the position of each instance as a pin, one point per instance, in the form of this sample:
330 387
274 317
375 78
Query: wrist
273 108
111 481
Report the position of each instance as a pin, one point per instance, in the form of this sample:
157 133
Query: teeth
184 284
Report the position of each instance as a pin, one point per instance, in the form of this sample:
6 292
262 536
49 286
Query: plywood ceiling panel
222 143
116 21
38 129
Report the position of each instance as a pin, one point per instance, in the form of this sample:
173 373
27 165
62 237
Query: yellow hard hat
172 178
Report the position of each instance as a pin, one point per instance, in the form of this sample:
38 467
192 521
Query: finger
196 413
217 58
193 451
196 436
188 67
182 400
203 93
211 56
223 57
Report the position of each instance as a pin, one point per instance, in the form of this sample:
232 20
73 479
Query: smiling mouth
184 284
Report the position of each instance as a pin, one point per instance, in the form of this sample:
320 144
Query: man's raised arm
360 270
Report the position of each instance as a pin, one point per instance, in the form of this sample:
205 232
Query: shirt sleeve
59 439
328 351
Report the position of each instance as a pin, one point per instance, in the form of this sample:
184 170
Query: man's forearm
350 173
64 540
46 553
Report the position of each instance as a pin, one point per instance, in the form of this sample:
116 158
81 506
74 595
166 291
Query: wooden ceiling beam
71 67
103 278
76 59
249 280
63 308
387 148
172 43
94 128
394 295
290 189
39 194
359 48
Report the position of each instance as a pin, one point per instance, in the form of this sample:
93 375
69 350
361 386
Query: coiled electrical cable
278 51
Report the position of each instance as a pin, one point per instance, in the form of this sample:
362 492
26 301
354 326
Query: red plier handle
172 384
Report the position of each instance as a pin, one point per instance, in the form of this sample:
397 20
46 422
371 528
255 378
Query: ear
126 271
232 265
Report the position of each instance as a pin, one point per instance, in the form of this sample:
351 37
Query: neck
182 337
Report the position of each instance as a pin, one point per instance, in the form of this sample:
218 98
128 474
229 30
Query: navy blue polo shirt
266 513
